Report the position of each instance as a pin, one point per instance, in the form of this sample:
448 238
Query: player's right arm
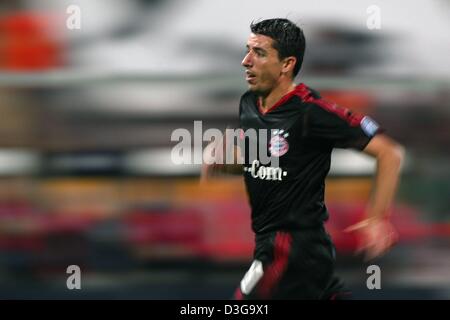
214 160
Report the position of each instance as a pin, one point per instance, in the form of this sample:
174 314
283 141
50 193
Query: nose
247 62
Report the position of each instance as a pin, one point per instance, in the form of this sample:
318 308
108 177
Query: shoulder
313 93
305 96
329 110
318 107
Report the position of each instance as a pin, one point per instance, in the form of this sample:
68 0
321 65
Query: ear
289 64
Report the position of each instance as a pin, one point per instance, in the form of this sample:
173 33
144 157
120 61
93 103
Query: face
262 65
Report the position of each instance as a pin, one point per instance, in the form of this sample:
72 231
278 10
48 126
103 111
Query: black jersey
302 129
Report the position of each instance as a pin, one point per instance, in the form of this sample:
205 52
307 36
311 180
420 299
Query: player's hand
212 161
375 237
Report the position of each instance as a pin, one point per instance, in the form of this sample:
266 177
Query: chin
258 90
253 88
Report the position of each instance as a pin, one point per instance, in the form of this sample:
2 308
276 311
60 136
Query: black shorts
292 265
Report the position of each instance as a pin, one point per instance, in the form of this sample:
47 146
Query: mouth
250 76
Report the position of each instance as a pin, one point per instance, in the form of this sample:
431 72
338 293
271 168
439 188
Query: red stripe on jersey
353 119
301 90
273 273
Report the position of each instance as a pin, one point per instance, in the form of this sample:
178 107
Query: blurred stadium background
85 126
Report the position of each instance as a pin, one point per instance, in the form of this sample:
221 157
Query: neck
268 101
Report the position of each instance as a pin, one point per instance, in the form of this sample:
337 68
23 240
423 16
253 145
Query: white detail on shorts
252 277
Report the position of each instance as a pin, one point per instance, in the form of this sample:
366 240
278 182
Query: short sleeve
339 126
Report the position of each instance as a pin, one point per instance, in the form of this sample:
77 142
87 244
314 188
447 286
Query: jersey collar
300 91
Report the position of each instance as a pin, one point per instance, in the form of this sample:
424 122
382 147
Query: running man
294 256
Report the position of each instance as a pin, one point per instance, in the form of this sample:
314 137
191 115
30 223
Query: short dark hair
288 38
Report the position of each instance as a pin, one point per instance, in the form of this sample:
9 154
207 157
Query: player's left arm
378 235
389 156
329 123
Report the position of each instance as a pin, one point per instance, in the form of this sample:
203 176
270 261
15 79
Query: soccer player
294 256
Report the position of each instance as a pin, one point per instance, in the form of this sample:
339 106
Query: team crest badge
278 145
